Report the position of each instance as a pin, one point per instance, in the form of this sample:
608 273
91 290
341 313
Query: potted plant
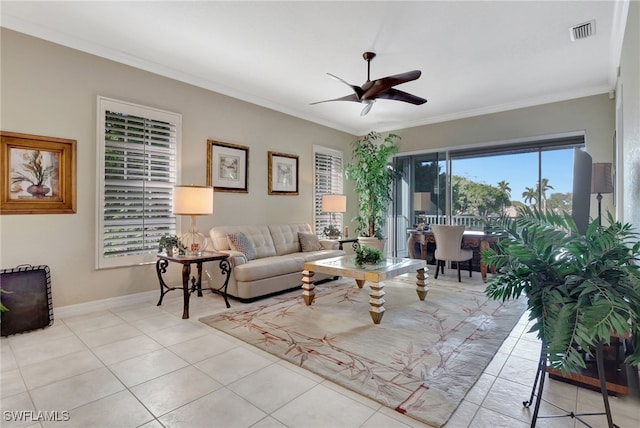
580 289
168 243
332 232
373 178
368 256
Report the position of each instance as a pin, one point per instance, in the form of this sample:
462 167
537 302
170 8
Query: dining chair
448 247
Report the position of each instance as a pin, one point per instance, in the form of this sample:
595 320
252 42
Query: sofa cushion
258 234
285 237
309 242
319 255
268 267
239 242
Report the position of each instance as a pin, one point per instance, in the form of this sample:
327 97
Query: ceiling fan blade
351 97
358 91
379 85
367 107
396 95
398 79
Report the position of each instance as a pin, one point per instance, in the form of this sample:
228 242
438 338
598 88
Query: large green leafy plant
373 176
368 255
581 289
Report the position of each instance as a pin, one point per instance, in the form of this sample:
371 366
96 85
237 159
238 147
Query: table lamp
193 201
333 204
422 203
601 183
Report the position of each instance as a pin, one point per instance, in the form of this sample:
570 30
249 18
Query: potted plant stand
581 290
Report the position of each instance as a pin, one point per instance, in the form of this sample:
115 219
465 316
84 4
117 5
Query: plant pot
373 242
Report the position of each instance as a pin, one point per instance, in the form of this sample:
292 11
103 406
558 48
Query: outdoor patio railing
470 222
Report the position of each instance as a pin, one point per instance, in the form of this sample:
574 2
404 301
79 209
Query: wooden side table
196 283
354 242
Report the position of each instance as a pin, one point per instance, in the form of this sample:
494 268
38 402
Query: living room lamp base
193 241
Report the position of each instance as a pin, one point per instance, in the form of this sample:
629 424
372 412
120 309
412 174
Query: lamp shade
601 178
192 200
334 203
422 201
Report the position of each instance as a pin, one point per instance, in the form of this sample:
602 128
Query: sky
520 171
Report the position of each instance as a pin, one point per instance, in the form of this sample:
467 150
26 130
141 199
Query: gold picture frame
38 174
283 174
227 167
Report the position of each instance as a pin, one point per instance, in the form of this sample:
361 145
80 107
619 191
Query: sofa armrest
235 257
329 244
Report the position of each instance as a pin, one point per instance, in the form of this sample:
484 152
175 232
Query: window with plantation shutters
328 179
137 169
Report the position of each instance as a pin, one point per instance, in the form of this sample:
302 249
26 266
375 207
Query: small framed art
38 174
283 174
227 167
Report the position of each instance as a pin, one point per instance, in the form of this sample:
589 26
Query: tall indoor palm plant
373 177
581 289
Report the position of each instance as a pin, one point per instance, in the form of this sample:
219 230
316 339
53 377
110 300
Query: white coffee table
345 266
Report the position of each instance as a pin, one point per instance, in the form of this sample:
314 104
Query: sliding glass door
473 185
420 196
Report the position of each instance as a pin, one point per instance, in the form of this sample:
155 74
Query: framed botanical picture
38 174
283 174
227 167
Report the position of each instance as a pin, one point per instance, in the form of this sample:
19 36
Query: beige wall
51 90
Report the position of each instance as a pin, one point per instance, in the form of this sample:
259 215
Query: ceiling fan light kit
379 88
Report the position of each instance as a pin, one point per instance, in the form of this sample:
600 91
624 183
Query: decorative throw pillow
309 242
240 242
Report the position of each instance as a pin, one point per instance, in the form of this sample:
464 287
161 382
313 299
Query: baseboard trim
104 304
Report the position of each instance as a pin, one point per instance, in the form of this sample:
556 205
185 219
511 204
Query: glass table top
348 263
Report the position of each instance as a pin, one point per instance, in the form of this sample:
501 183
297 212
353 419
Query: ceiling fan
379 88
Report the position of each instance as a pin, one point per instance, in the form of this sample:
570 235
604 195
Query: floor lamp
601 183
193 201
333 204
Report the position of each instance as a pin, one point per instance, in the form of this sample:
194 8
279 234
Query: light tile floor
143 366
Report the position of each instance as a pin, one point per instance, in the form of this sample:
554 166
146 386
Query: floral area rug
420 360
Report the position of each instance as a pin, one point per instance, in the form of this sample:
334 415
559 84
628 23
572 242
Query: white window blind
137 158
328 179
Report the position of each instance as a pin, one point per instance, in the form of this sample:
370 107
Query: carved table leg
199 284
161 267
186 272
483 267
376 301
308 292
225 268
421 284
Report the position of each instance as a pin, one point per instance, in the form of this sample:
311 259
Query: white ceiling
476 57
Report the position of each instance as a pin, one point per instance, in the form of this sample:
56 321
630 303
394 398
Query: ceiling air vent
582 31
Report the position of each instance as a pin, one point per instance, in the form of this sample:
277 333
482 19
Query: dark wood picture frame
227 167
283 174
38 174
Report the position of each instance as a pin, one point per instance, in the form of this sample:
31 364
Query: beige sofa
278 263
